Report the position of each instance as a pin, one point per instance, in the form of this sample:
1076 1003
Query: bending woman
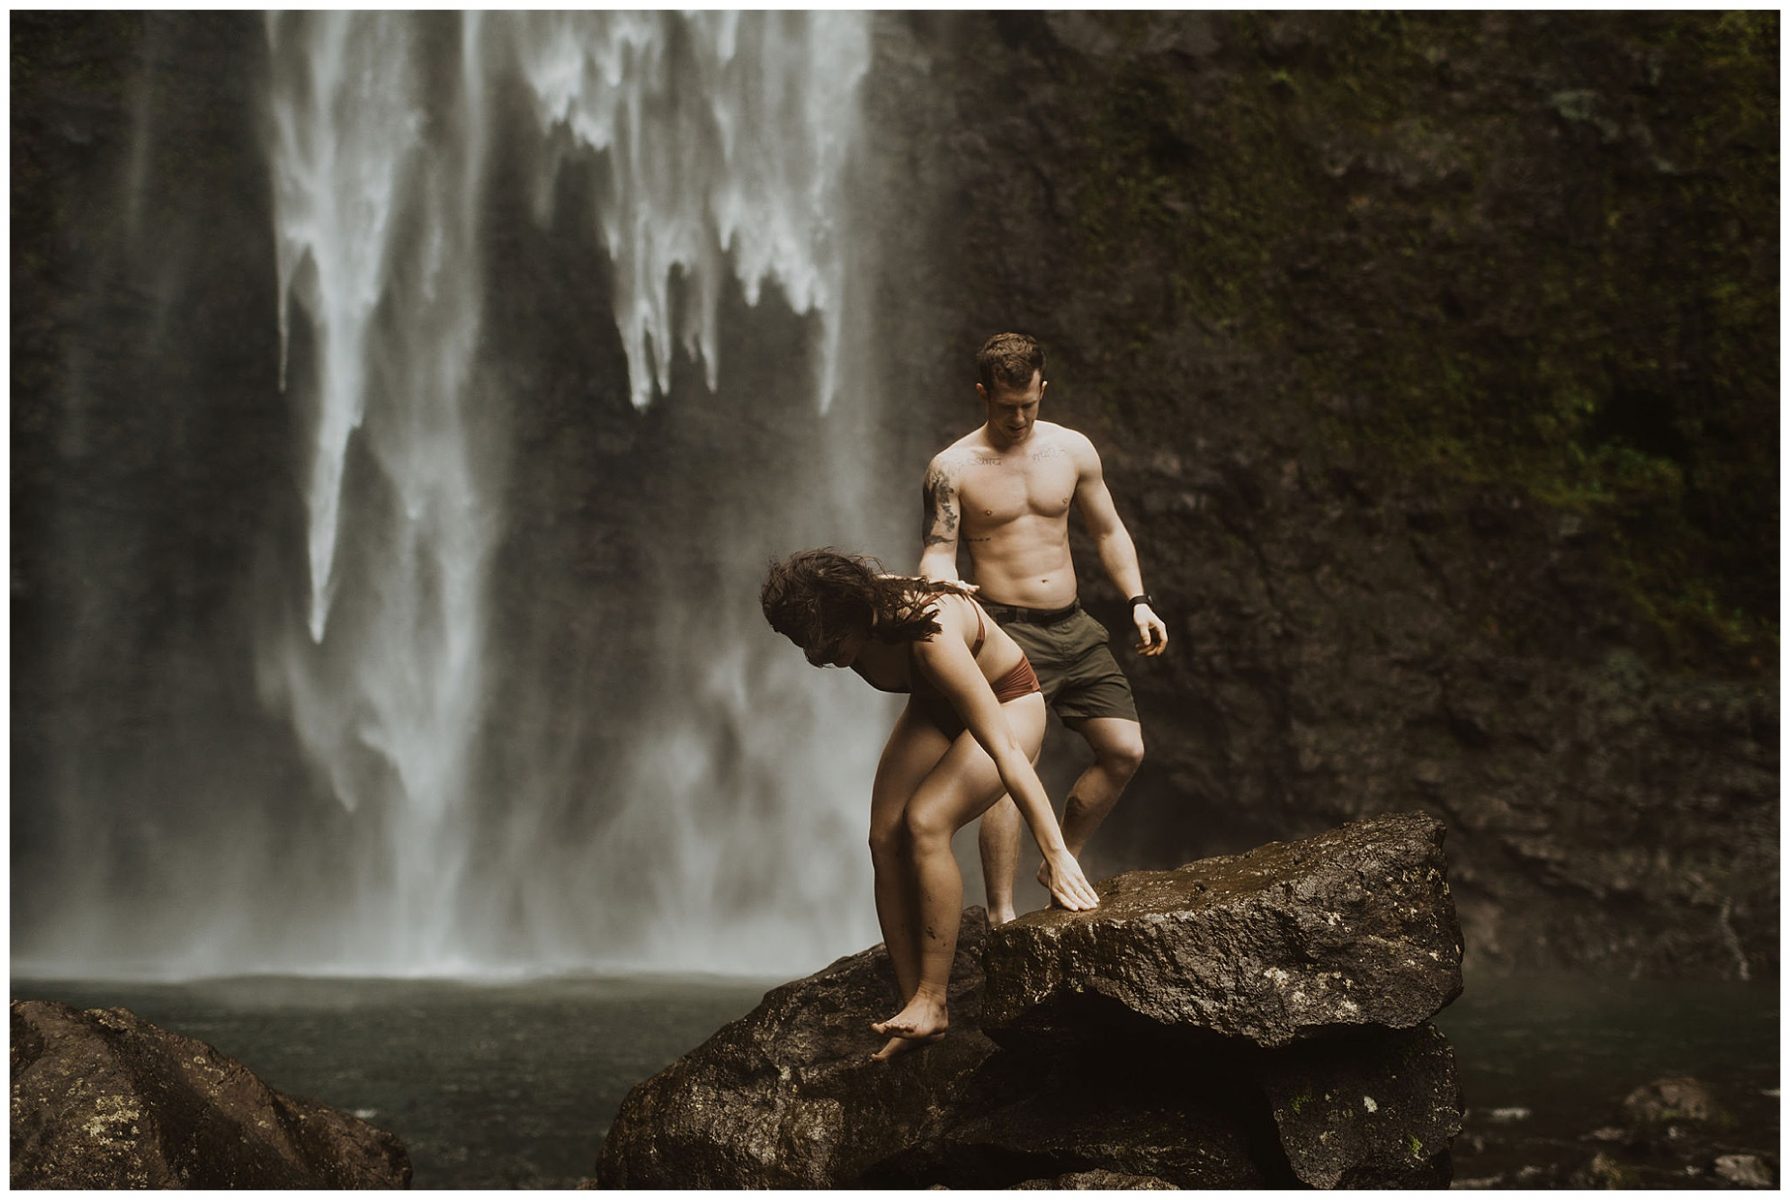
972 726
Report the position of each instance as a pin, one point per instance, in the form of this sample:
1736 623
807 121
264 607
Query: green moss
1577 305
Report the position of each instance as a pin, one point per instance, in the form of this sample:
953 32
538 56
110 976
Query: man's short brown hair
1010 359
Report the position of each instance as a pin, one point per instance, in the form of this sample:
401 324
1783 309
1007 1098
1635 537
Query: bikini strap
981 632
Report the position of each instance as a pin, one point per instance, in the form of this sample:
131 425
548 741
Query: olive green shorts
1075 666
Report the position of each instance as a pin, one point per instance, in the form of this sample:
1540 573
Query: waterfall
731 835
736 167
376 186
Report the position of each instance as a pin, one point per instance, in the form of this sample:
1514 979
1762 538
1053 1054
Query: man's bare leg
1118 746
998 842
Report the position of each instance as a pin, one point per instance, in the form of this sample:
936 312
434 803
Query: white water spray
725 138
737 169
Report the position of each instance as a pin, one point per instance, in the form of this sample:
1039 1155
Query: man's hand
1152 634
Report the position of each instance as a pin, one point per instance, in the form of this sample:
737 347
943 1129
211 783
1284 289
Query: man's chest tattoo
1043 454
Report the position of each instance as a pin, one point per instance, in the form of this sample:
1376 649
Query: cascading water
731 831
377 219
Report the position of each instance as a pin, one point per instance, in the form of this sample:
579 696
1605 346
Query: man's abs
1024 563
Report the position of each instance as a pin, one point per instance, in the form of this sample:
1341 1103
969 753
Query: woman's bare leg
914 748
956 791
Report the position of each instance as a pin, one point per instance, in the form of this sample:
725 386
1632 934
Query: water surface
505 1085
513 1084
1545 1060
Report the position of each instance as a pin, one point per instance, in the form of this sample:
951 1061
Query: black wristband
1142 598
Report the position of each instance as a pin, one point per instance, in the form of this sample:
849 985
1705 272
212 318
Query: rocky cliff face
154 459
1417 349
1431 358
1239 1022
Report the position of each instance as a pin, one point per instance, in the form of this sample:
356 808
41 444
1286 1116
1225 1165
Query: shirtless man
1005 492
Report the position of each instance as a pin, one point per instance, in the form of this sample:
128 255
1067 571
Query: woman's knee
888 840
925 826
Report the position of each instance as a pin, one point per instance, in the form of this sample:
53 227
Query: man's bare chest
998 488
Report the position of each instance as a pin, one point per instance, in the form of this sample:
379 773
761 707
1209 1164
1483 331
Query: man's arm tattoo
940 499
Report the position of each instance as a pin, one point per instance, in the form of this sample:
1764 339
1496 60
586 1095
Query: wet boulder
105 1100
1321 1069
1353 928
787 1096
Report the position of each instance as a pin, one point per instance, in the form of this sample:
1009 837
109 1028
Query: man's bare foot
1000 916
924 1016
901 1045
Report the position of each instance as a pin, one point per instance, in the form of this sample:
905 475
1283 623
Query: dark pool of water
514 1084
502 1085
1546 1060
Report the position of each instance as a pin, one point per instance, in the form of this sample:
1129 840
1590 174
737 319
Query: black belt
1008 614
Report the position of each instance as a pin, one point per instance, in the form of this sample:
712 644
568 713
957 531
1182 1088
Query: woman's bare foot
924 1016
901 1045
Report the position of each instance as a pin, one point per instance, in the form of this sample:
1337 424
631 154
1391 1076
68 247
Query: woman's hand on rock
1061 874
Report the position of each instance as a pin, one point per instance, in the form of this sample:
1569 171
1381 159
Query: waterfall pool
511 1084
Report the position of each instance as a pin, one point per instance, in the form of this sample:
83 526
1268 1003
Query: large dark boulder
1144 1070
103 1099
1352 928
787 1096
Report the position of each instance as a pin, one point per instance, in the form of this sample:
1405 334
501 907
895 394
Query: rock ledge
1251 1021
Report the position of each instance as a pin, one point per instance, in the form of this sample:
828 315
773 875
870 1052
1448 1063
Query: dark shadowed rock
1197 1141
1026 1116
1743 1170
1082 1181
787 1096
1367 1112
1664 1101
103 1099
1354 927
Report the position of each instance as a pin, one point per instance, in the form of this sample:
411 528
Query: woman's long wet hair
818 598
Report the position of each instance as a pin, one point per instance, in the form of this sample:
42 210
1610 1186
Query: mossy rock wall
1433 358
